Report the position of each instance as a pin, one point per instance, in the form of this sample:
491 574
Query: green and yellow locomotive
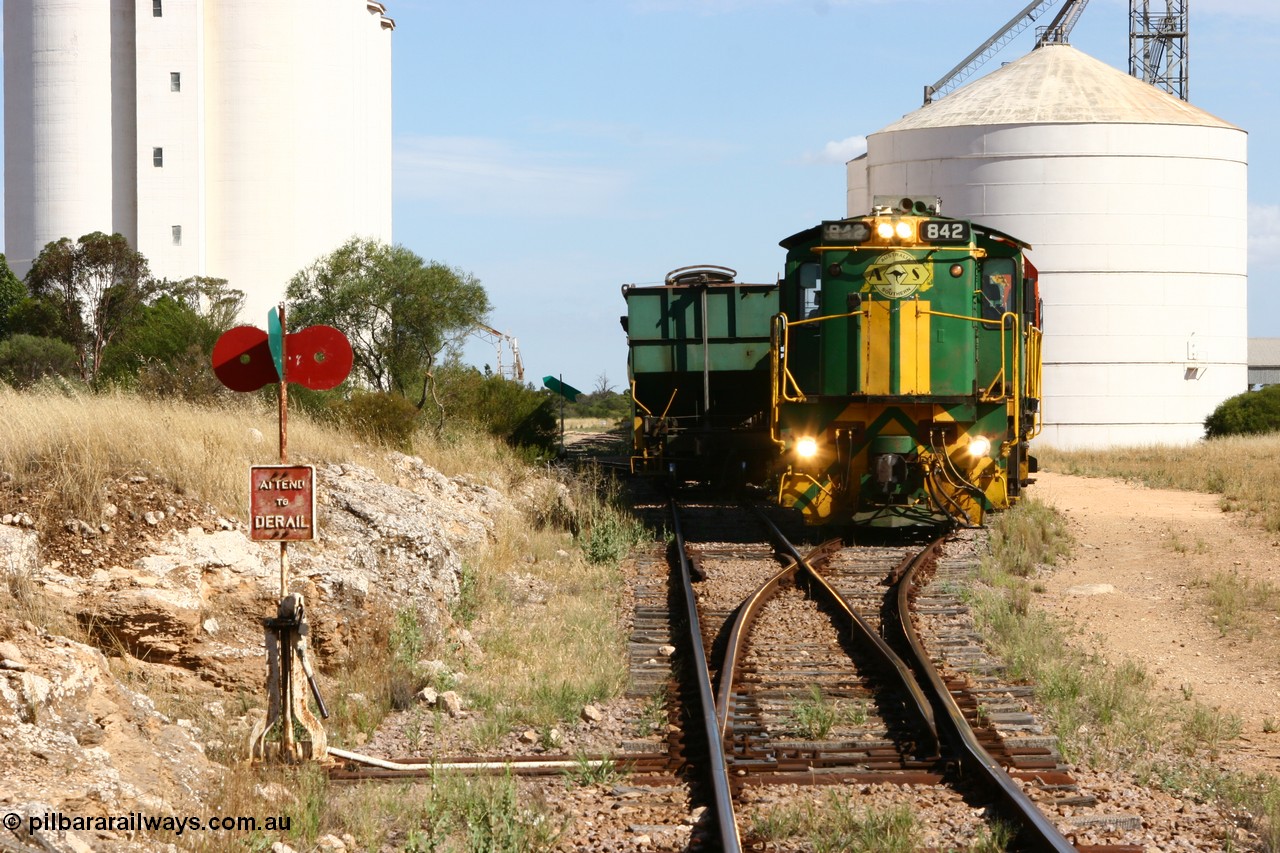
896 380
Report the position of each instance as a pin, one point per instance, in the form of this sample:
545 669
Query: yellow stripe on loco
876 340
913 347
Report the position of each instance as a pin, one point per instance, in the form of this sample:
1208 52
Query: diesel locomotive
890 377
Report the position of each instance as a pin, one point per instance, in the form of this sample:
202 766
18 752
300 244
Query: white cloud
839 152
481 175
1264 235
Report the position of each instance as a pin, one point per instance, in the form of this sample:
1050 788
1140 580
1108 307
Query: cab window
999 278
810 290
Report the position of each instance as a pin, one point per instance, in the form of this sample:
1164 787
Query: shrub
606 405
384 418
1244 414
516 413
26 359
186 376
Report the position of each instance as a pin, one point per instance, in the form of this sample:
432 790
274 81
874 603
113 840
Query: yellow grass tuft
66 446
1244 470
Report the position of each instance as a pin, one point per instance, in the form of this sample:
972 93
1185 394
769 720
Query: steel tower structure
1158 45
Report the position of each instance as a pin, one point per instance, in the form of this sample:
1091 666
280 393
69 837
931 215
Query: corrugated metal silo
1135 202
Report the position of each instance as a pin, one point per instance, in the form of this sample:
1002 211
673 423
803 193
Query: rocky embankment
165 593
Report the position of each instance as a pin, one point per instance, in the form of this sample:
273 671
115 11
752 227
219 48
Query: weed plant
834 825
653 714
586 772
817 714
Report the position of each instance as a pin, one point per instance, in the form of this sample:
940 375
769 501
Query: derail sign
282 502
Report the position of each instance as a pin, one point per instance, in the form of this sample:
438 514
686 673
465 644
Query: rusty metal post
284 438
288 749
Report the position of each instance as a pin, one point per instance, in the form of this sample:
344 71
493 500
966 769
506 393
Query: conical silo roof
1056 84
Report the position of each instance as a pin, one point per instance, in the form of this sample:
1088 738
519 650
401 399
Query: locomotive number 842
890 377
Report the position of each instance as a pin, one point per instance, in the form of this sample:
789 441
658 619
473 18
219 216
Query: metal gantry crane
499 341
1158 45
1055 33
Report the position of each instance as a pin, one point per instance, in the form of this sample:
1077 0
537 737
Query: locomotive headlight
979 446
884 230
903 230
807 448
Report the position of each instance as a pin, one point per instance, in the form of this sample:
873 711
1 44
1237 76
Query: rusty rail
718 772
1041 834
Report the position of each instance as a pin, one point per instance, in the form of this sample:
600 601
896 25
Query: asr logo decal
897 275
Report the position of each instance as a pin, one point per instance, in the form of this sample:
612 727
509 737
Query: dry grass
67 445
482 458
1242 604
1108 716
589 425
1244 470
542 588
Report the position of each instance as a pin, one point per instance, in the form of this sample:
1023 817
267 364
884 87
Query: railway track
788 691
810 693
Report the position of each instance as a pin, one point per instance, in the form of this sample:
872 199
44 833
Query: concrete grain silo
222 137
58 122
1135 203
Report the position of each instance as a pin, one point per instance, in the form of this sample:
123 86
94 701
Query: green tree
41 318
12 292
516 413
400 313
96 285
181 323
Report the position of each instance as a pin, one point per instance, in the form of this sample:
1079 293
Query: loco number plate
945 231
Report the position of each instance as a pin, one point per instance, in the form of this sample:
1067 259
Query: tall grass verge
1107 715
1244 470
65 445
547 620
475 814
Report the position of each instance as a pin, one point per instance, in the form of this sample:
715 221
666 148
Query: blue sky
560 149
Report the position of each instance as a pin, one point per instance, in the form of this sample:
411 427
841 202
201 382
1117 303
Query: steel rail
736 645
923 707
722 796
1046 835
745 618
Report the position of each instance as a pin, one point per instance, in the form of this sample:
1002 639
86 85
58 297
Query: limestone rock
451 702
